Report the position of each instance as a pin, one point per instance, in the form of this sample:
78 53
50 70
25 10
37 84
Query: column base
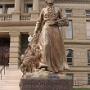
16 16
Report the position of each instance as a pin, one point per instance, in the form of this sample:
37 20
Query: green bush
81 88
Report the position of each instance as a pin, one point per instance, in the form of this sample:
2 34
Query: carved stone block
46 84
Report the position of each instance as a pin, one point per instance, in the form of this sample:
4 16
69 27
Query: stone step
11 88
11 79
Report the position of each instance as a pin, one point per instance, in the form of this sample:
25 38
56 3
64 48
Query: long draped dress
50 40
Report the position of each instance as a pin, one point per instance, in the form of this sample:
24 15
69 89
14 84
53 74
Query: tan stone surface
79 43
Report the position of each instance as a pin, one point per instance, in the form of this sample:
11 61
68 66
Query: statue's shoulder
43 10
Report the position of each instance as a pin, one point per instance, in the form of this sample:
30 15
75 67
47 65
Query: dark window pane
88 79
68 12
88 60
29 7
89 54
69 59
69 53
88 13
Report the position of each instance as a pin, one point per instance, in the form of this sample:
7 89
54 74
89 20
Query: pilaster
15 49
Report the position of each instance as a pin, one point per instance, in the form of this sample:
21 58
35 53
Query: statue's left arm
39 23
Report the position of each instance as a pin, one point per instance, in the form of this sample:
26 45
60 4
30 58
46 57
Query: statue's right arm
39 22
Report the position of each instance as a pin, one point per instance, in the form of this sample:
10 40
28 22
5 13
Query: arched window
88 55
69 54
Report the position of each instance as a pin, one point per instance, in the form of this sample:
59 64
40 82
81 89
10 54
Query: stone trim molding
71 1
14 34
19 23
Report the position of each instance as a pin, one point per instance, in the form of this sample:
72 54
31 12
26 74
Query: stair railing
1 70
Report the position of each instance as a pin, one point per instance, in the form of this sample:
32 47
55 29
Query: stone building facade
17 22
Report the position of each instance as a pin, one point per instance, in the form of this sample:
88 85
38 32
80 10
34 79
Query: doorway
4 51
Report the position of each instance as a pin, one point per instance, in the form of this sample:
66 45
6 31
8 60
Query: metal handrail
3 68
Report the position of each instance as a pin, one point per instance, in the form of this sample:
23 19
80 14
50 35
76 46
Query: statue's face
49 1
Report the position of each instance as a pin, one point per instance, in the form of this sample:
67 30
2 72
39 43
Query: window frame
88 37
8 6
70 74
71 29
68 13
88 58
87 15
29 5
88 79
69 63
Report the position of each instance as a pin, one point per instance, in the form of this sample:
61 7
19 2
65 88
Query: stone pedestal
46 84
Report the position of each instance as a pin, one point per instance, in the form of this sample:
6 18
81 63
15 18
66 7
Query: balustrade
26 16
5 17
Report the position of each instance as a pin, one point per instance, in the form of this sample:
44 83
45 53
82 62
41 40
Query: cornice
72 1
80 42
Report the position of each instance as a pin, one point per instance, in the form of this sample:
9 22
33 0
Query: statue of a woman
50 39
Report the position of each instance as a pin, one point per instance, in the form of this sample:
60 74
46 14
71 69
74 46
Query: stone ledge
17 23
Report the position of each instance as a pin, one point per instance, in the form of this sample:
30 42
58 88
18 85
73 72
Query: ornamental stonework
71 1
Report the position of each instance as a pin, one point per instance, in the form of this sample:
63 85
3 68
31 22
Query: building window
68 13
69 30
87 12
88 79
69 76
88 54
69 55
0 10
9 9
29 7
88 29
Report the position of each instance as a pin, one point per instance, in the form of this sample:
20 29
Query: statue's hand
35 33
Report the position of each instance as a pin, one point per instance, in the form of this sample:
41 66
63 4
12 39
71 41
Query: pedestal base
46 84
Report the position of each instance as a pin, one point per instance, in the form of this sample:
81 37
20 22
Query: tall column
16 13
22 6
15 50
25 8
3 9
36 5
17 5
35 12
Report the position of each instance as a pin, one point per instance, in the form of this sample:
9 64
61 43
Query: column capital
3 5
14 34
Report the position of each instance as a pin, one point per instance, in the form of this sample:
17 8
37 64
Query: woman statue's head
49 2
